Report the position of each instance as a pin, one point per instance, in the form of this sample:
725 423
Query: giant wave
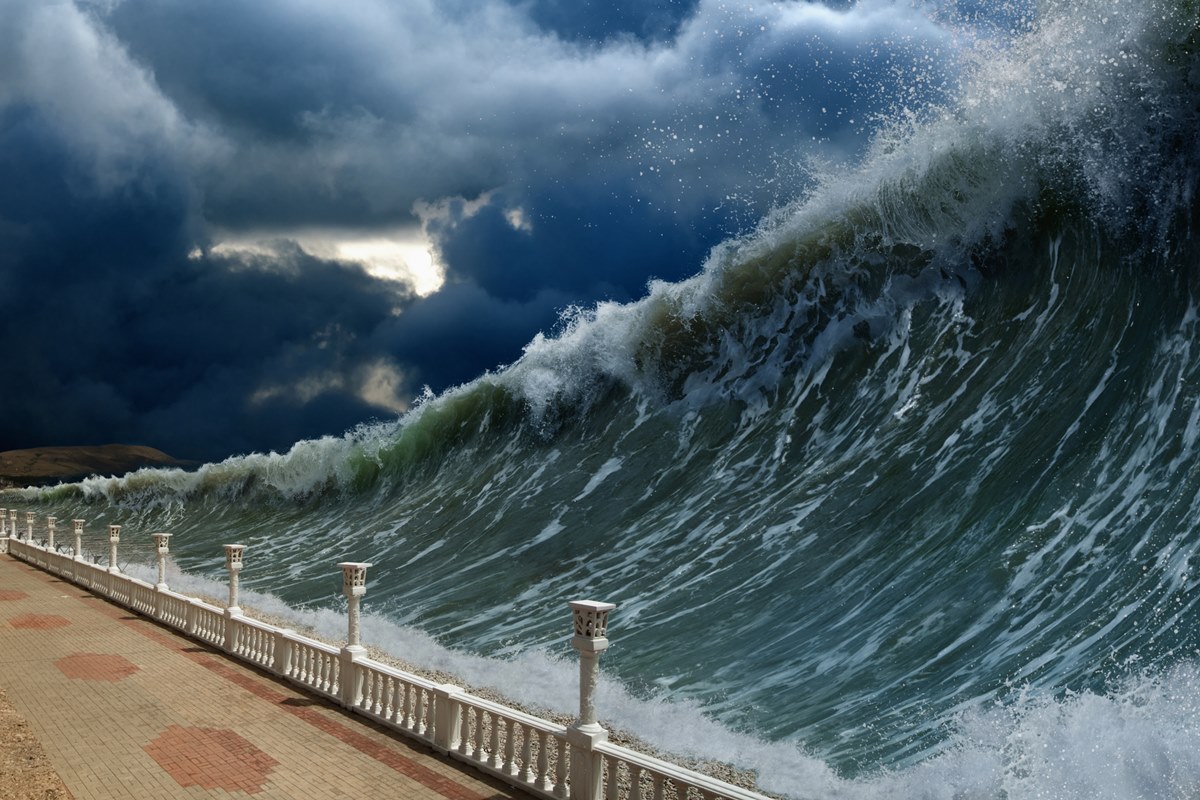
898 496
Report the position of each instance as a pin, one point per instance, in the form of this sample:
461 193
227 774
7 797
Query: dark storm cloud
600 20
115 333
550 158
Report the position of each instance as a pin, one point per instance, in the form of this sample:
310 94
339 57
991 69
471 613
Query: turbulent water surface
897 497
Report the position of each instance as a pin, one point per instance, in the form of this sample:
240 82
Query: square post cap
114 533
590 618
161 540
354 577
78 523
233 556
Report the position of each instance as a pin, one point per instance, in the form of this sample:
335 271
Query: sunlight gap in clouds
408 262
400 258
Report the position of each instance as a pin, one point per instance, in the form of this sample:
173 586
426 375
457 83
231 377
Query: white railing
173 609
254 641
315 665
205 622
542 758
142 597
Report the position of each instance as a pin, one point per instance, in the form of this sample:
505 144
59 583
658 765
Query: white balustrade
544 759
173 609
254 641
206 622
141 597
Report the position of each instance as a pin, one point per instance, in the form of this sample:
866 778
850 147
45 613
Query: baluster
495 758
392 712
528 775
560 769
543 764
365 701
478 753
404 714
613 787
635 781
418 710
510 747
464 738
378 699
659 781
396 700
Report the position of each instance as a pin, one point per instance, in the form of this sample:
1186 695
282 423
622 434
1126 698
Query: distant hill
48 465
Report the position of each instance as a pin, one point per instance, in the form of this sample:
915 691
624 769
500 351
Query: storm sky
227 225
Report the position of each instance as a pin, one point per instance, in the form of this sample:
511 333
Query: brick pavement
126 708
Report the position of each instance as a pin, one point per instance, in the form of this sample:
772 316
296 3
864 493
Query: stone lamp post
12 523
233 612
590 620
161 541
354 586
114 537
29 515
78 523
590 639
50 532
233 563
3 523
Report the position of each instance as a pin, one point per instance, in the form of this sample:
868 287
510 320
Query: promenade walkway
126 708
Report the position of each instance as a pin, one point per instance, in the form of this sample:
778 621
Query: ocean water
899 496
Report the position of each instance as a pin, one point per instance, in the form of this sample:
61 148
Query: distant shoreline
48 466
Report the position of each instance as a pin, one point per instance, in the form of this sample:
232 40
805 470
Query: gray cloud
550 159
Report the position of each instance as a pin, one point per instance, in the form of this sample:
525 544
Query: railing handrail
537 723
676 773
397 673
297 638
